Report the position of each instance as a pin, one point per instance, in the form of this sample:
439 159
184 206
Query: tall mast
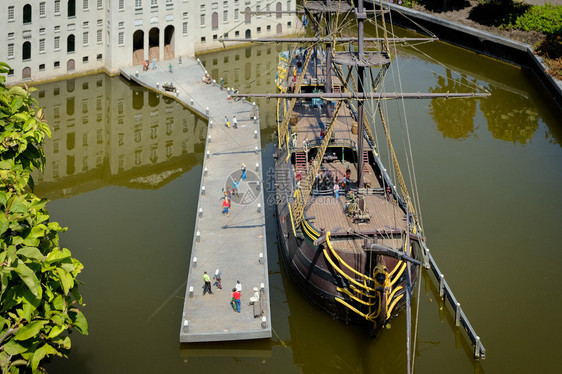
360 73
328 84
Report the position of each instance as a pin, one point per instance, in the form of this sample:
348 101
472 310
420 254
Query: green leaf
31 252
14 348
29 331
41 353
79 321
66 280
29 278
57 255
55 331
4 224
3 197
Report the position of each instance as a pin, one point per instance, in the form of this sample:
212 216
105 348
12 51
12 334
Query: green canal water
123 170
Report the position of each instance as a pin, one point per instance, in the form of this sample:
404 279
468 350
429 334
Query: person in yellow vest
207 286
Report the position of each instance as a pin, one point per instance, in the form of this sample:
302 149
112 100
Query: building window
26 13
57 29
215 21
70 43
71 11
12 35
99 35
202 19
236 14
268 27
41 31
236 33
11 14
11 50
122 24
138 4
41 45
57 7
100 22
185 14
85 139
203 39
41 67
99 136
121 4
85 59
225 16
184 28
121 38
100 4
85 38
26 49
259 30
42 9
57 43
85 4
56 64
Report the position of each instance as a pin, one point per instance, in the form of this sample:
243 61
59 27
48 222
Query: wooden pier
235 244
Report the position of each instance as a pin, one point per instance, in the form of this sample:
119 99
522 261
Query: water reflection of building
105 131
250 70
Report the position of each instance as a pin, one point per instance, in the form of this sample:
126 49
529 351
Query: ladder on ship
366 168
300 161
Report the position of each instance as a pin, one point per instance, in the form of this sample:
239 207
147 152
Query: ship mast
361 15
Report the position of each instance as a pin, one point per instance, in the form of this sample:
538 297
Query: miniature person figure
235 185
207 286
256 296
153 63
222 83
236 296
226 121
243 177
238 286
225 206
234 122
217 278
170 67
180 60
233 300
337 190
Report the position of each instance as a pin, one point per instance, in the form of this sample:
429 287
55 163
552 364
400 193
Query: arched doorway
26 51
279 28
26 13
26 73
248 34
71 8
70 46
70 65
215 21
169 42
138 47
154 44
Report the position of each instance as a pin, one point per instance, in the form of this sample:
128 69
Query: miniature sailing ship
351 241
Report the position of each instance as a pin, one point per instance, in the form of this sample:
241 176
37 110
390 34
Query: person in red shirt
225 206
236 297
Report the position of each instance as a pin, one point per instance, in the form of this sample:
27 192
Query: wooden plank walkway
233 244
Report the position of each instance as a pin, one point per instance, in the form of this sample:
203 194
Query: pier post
458 315
441 284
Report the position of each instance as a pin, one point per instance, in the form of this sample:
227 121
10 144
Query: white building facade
49 39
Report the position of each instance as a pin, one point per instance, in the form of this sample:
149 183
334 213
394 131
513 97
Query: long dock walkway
235 244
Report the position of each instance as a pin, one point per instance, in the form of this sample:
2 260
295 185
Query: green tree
39 295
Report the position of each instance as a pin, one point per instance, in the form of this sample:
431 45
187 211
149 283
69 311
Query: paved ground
230 243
